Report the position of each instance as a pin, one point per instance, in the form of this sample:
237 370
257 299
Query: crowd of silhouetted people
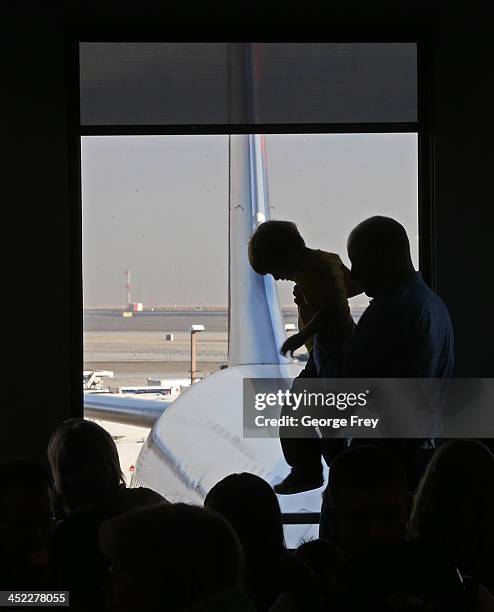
381 545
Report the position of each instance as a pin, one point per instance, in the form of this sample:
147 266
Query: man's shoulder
420 298
414 302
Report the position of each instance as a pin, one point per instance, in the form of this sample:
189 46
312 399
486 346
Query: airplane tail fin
256 327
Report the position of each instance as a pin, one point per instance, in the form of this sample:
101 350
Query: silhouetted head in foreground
275 248
26 523
379 250
249 503
169 557
454 506
367 500
77 561
85 465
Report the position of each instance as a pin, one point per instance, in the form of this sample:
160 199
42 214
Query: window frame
335 33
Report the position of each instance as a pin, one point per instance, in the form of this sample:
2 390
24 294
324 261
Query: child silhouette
322 287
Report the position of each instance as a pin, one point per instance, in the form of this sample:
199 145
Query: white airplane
197 440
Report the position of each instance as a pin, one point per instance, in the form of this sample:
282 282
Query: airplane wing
125 410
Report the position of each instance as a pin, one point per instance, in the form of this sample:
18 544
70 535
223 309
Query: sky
159 206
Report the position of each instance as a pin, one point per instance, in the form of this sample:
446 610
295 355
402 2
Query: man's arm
353 287
376 348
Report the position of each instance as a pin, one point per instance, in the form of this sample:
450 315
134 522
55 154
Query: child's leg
320 353
302 454
330 447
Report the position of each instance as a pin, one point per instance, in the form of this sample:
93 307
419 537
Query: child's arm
316 323
313 326
342 327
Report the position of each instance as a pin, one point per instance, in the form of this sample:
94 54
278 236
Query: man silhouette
405 332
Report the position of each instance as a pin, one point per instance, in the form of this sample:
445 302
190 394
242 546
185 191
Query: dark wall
35 197
44 348
464 160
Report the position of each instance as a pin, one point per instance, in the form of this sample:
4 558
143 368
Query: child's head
274 248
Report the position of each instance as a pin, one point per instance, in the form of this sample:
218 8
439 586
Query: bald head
379 250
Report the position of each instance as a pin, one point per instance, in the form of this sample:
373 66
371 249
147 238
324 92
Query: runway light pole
194 329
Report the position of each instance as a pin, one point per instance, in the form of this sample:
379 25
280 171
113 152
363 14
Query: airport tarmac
134 356
136 349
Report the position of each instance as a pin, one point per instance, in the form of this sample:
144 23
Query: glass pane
246 83
155 236
155 256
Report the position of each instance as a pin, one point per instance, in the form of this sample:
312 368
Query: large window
156 172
